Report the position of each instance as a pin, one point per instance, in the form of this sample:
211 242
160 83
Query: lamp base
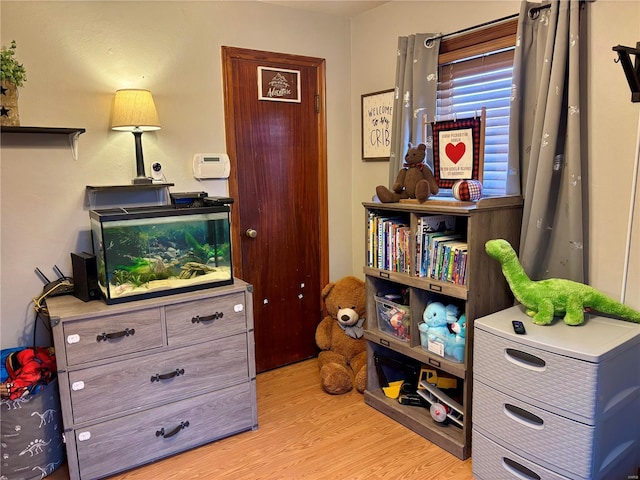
141 180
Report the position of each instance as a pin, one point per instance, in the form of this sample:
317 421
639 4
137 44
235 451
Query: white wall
78 53
614 126
613 119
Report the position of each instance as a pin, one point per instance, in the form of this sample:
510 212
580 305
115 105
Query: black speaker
85 276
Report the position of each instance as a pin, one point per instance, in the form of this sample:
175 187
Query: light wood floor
304 433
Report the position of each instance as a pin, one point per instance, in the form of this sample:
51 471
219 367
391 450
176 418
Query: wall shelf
72 133
47 130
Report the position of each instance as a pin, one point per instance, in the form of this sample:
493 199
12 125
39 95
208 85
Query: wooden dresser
143 380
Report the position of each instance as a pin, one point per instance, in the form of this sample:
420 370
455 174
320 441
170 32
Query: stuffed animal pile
444 330
414 180
340 336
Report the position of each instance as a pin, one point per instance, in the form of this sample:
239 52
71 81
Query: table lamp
134 111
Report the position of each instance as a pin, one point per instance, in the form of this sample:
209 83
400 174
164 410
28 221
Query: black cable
35 326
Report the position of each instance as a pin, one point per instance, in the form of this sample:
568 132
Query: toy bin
31 431
394 319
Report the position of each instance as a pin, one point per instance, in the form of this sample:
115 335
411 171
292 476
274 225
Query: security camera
156 171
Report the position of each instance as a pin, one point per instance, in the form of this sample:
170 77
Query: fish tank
144 252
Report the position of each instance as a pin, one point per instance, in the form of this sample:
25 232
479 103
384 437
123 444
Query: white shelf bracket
73 143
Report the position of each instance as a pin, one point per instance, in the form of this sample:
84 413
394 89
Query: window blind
467 85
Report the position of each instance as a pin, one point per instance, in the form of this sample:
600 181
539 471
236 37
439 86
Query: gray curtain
545 156
415 96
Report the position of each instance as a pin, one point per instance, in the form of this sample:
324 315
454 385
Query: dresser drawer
492 461
133 440
130 384
215 317
112 335
556 442
530 372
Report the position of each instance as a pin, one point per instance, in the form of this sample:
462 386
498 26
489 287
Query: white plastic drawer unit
492 461
576 370
558 396
533 431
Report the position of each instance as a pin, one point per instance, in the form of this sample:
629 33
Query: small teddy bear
415 179
340 336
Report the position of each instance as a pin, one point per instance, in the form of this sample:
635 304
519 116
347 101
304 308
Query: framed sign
377 118
458 151
278 84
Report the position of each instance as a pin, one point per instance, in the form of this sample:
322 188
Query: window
475 71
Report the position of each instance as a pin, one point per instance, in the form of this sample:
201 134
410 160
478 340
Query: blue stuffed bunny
435 332
454 347
437 317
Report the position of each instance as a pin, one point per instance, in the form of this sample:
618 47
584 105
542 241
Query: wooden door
278 175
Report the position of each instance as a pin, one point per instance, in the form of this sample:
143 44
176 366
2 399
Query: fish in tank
144 252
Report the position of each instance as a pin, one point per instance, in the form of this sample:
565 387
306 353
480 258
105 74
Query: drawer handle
518 470
208 318
524 359
165 376
160 433
108 336
524 417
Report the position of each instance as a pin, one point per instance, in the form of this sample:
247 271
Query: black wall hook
631 70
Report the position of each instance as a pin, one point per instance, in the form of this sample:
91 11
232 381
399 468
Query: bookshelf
482 290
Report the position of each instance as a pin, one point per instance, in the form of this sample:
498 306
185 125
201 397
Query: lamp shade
134 109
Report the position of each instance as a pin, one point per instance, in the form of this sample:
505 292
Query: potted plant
12 76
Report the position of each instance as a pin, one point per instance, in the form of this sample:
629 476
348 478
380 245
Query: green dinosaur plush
545 299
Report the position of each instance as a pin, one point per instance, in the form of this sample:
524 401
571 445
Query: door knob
251 233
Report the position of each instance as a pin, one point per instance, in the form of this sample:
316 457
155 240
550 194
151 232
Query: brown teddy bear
340 336
415 179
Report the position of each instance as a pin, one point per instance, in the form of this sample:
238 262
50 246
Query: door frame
228 55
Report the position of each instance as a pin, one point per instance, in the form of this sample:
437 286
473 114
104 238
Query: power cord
62 286
59 287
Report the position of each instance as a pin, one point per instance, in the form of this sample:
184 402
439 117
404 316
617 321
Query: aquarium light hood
135 112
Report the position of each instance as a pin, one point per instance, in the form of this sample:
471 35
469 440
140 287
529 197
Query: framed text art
458 150
278 84
377 118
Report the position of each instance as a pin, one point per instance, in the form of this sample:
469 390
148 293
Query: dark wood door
277 151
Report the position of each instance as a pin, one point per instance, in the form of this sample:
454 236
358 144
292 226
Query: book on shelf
458 272
427 254
440 252
386 243
428 225
435 253
449 259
